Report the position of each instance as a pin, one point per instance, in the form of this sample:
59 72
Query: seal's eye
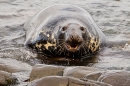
64 28
82 28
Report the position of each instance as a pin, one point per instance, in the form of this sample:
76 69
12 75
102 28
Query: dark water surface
113 17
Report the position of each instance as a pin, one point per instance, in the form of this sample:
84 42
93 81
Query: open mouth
72 48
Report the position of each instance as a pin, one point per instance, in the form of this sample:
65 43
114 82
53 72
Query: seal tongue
72 47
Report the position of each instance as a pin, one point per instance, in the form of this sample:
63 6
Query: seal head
73 35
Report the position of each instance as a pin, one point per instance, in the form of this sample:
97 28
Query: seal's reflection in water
69 61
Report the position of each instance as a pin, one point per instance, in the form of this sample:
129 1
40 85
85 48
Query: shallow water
113 17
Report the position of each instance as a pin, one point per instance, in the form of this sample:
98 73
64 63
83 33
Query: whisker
84 49
87 49
61 49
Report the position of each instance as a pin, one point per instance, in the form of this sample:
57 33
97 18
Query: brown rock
115 78
94 75
41 70
121 78
62 81
79 72
6 79
13 66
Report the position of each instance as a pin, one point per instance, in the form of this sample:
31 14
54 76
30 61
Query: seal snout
73 43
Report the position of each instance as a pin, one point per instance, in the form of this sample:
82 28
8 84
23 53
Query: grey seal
64 30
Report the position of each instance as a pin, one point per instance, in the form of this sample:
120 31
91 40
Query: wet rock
62 81
22 77
7 79
96 82
94 75
41 70
12 65
115 78
121 78
50 81
79 72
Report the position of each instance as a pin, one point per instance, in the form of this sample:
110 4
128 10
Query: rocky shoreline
52 75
